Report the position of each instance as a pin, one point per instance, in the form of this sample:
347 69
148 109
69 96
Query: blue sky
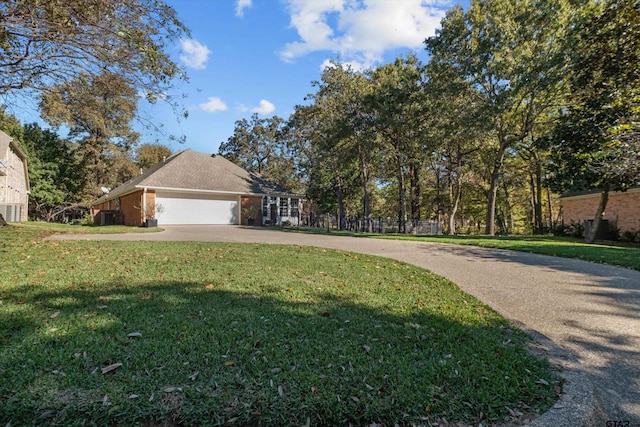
261 56
247 56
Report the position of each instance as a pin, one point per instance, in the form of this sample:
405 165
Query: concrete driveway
586 316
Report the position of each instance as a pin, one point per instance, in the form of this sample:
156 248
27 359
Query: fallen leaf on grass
355 399
111 368
134 396
171 389
54 315
280 391
229 363
367 349
134 335
541 381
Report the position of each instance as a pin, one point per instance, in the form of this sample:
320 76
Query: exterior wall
130 206
127 208
254 203
14 188
623 209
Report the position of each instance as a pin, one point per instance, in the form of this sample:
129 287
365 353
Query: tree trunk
402 196
537 212
490 226
604 198
416 193
366 197
552 223
456 197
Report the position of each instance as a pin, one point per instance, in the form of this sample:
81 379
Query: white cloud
361 31
194 54
265 107
241 5
213 104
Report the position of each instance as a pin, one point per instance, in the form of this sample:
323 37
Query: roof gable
192 171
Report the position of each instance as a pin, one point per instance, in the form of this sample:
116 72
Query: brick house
622 211
196 188
14 180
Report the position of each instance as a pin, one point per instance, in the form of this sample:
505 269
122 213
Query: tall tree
47 43
98 111
511 52
454 106
398 115
254 142
341 98
596 142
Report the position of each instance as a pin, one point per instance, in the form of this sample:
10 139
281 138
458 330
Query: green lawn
624 255
186 333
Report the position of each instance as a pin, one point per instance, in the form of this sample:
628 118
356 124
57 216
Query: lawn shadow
194 354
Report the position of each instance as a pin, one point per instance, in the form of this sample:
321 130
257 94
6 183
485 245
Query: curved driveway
591 311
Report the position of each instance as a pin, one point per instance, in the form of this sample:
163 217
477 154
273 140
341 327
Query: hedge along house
196 188
622 211
14 181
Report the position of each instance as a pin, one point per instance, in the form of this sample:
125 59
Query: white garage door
186 208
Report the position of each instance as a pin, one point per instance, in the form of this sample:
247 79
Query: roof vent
164 159
213 155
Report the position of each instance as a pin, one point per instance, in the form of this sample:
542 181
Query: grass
192 333
54 227
602 252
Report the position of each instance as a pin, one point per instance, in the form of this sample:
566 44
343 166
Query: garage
195 188
196 208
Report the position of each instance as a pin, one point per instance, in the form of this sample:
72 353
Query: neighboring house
197 188
14 180
622 211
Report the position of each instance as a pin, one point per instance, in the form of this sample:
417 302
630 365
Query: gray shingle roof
189 170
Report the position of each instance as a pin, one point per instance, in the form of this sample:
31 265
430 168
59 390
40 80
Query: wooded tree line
519 99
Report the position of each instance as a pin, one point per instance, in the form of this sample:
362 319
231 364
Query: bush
574 229
87 219
632 236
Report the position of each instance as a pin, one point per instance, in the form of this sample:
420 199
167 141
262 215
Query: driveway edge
576 406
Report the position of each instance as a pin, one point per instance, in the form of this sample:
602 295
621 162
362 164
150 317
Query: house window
265 206
295 206
284 206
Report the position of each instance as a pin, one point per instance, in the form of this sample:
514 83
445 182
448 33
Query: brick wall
623 209
129 209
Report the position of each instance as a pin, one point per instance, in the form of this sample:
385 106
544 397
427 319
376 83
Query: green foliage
204 334
510 52
596 138
260 145
50 43
148 155
99 111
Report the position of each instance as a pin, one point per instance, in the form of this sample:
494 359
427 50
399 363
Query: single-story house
196 188
622 210
14 180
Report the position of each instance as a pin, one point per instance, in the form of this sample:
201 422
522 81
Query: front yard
184 333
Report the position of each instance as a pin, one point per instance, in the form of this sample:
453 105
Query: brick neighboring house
197 188
622 211
14 180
